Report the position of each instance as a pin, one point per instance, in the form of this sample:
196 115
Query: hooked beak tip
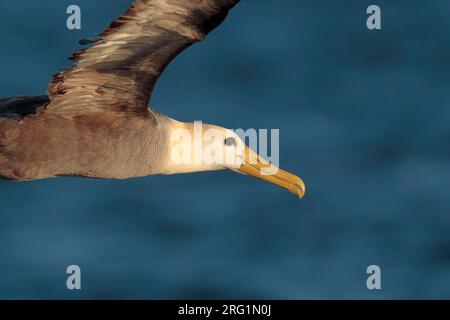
301 189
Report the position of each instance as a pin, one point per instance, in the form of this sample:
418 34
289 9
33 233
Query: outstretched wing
20 107
120 70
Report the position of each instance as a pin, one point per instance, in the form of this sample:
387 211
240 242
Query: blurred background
363 118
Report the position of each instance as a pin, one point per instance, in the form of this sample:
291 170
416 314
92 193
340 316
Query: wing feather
120 70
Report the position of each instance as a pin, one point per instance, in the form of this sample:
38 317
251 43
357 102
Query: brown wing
119 72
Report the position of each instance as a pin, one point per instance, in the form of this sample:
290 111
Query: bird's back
35 144
17 108
12 111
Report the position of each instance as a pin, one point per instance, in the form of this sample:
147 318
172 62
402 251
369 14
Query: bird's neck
185 149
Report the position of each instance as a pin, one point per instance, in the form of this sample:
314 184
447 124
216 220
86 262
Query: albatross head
195 147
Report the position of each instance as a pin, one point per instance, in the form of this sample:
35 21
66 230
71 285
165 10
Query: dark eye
230 141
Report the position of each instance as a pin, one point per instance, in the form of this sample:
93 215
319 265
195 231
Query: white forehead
220 133
231 134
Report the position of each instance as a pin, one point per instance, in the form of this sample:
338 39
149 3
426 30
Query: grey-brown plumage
95 120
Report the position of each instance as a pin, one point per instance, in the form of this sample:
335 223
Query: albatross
95 120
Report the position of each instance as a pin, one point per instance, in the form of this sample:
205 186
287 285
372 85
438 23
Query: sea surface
364 119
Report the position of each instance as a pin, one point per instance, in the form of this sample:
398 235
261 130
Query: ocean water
364 119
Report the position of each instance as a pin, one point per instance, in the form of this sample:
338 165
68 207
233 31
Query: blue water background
364 119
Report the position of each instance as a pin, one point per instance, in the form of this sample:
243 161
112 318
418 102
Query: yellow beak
256 166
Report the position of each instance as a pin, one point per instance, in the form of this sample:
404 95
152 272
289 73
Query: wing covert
119 71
